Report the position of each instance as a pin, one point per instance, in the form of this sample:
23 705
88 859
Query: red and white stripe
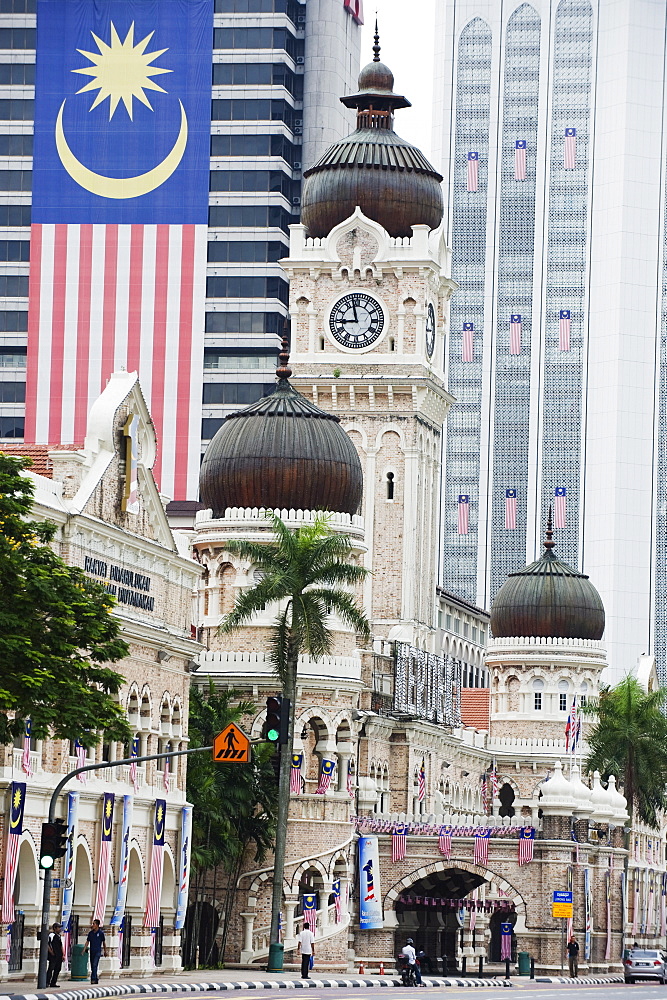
26 763
152 914
102 881
11 866
445 842
570 150
481 851
106 297
310 919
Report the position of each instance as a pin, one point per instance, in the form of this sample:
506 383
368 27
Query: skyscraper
278 67
558 248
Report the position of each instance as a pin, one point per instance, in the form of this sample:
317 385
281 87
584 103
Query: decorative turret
281 452
549 599
390 180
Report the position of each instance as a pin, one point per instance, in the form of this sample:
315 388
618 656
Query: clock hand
354 310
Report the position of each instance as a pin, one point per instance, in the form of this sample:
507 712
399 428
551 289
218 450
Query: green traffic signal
46 861
272 735
276 727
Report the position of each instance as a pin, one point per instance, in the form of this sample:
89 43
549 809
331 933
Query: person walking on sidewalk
55 956
96 943
306 946
573 956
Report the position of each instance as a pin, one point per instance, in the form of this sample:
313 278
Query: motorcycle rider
410 955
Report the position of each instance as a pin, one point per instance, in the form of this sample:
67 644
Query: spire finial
549 543
283 371
376 47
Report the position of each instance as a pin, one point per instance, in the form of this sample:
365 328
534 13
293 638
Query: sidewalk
214 980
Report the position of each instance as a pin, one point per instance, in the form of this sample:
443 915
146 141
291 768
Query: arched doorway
428 913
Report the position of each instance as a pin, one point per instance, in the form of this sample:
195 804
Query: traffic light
54 843
276 727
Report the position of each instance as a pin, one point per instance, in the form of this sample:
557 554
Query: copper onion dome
390 180
281 452
548 599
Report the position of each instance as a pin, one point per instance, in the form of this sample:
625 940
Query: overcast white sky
407 48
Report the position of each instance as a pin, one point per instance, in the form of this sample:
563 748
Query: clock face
430 330
356 320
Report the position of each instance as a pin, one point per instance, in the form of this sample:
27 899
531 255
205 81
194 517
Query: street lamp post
46 894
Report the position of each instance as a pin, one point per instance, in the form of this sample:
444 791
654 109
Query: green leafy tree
629 740
304 570
57 631
234 807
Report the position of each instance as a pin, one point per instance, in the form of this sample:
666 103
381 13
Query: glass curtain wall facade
575 418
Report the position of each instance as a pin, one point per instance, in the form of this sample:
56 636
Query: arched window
390 486
506 796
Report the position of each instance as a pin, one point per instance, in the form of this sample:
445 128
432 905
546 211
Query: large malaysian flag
119 218
468 348
570 149
515 333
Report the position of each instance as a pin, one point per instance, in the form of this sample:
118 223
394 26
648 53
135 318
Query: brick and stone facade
136 555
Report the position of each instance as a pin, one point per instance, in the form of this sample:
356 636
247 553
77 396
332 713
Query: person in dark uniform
55 956
96 944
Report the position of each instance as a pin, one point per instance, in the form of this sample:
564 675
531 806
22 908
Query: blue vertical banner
588 914
123 865
370 896
184 871
69 859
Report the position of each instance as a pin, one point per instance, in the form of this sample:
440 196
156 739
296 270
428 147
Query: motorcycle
406 971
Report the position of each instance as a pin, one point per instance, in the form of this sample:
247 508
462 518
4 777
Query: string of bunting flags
471 905
445 832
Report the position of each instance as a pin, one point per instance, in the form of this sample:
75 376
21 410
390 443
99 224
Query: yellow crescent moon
120 187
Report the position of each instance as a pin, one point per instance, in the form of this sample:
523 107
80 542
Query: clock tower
370 286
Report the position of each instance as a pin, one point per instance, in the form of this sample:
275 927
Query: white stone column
325 892
290 907
248 927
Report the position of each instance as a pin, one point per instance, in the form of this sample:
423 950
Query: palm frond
345 607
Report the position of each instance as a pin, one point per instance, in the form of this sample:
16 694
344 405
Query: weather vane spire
376 46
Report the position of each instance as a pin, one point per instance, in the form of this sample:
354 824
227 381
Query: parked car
645 963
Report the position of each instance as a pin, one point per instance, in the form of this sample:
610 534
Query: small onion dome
557 794
281 452
548 599
581 793
618 802
603 807
390 180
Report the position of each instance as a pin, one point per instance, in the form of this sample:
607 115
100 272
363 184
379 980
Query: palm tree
303 569
629 739
233 807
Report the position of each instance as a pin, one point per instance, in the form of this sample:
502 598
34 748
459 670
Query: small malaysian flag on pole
350 780
445 841
473 172
515 333
520 160
310 911
494 782
81 755
481 853
399 842
464 514
564 330
526 843
335 888
422 782
295 774
325 777
570 150
510 509
560 499
134 773
485 793
468 349
25 760
165 773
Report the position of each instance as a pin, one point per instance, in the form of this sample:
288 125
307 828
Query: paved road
541 991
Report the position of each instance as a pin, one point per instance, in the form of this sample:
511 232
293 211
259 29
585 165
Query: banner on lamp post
370 901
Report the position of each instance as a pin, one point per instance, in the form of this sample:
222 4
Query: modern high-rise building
278 67
550 131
